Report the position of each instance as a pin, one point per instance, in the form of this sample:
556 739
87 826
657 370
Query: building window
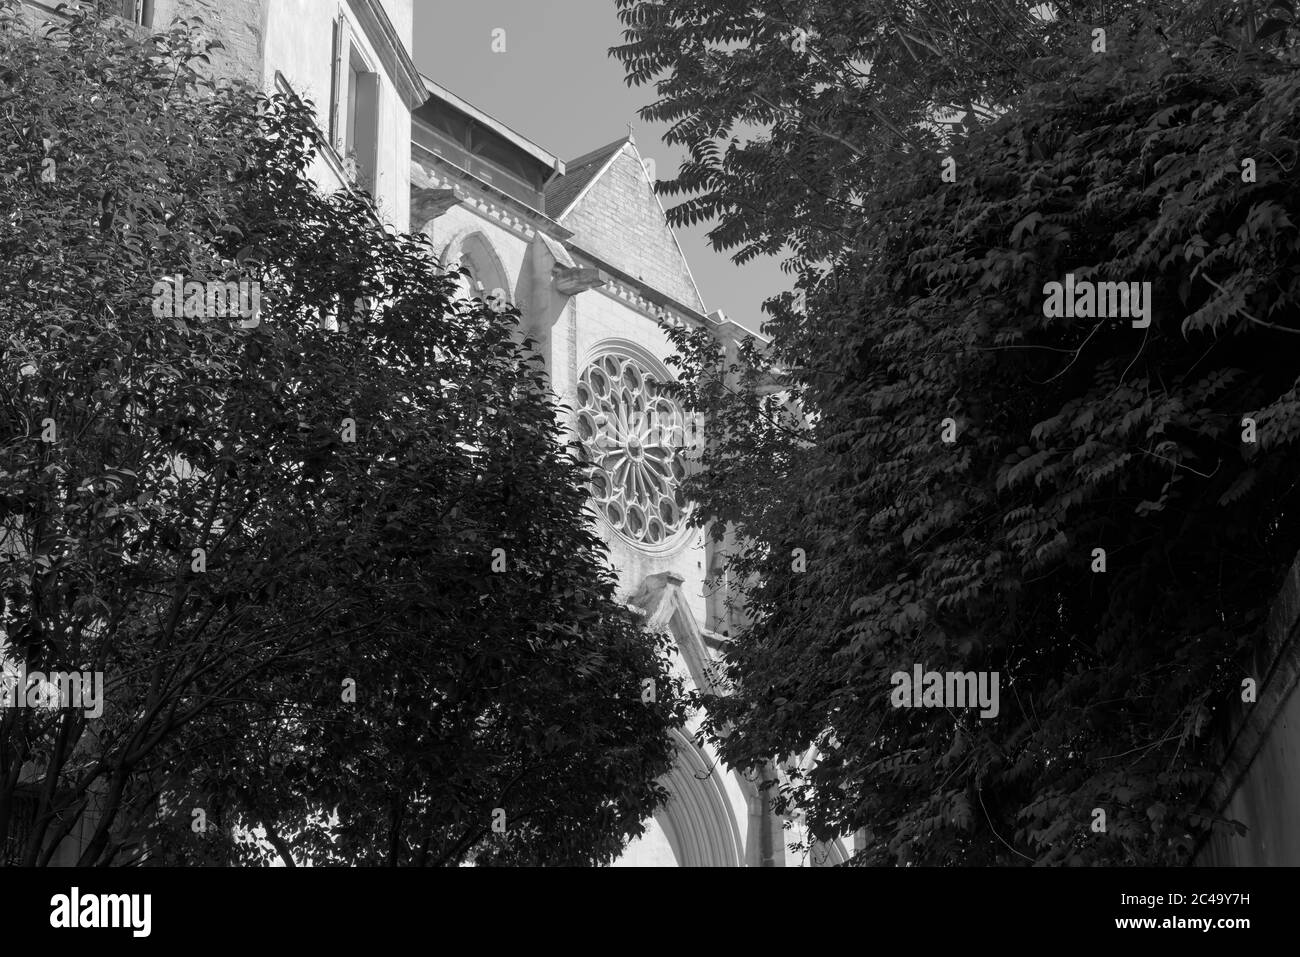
139 12
717 589
487 279
354 110
362 144
632 434
468 285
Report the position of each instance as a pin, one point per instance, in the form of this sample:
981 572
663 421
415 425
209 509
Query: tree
958 451
328 552
844 93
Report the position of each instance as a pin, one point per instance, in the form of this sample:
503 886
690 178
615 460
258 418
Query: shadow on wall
1259 781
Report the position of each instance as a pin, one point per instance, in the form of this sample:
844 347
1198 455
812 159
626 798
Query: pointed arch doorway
696 826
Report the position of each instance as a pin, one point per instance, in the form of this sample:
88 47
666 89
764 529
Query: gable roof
563 191
615 215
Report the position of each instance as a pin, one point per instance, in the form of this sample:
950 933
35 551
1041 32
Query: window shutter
338 83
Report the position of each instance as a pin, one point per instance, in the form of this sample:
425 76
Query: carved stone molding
571 280
428 203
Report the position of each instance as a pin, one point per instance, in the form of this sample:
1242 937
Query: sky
556 84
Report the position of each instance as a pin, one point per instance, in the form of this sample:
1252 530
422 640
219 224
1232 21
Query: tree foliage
397 620
923 300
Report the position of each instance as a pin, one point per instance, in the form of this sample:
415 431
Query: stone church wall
634 240
1259 783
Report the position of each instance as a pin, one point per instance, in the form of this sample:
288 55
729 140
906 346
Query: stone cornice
733 331
487 200
504 209
391 51
639 295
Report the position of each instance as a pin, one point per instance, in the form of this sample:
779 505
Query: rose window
632 434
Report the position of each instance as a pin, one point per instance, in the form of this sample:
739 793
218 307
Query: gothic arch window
468 283
634 436
487 277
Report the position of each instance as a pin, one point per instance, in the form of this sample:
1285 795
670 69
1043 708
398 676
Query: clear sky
557 85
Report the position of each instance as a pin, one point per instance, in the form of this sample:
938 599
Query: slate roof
563 190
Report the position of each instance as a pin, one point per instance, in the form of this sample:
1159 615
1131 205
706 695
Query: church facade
582 249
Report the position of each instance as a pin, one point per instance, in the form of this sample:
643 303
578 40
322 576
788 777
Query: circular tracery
632 434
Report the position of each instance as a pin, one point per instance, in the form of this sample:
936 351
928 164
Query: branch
1266 325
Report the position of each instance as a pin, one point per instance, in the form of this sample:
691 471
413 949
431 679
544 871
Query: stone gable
619 219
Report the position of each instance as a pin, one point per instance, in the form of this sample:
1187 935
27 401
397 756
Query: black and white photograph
638 434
